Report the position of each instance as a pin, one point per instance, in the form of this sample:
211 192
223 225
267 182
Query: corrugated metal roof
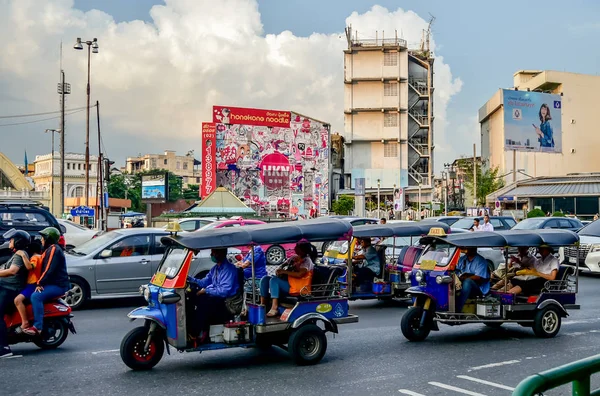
545 189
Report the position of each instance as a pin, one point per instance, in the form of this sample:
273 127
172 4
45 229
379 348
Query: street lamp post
445 191
420 217
52 131
92 47
378 198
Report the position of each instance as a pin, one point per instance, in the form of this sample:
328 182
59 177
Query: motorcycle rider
13 278
54 281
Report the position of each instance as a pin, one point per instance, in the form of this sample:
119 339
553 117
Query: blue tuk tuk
396 253
435 279
166 317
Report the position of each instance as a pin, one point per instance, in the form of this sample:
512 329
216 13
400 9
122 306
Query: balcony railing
23 194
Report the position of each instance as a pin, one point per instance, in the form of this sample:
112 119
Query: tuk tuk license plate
159 279
573 260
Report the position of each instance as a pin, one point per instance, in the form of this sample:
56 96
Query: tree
558 214
343 205
127 187
191 192
535 213
488 179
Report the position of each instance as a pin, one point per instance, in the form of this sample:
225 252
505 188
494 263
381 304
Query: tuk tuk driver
472 270
367 262
220 284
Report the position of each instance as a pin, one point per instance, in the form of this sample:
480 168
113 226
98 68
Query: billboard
155 188
209 168
247 116
532 121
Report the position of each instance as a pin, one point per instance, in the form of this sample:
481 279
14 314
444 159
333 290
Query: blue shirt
221 281
478 266
547 140
372 260
260 264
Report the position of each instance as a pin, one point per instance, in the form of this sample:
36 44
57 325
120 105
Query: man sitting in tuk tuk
367 263
531 281
473 272
260 264
220 284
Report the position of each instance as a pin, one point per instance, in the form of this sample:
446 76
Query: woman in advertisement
544 132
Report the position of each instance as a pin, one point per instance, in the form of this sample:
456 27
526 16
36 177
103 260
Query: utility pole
63 89
514 166
475 174
101 217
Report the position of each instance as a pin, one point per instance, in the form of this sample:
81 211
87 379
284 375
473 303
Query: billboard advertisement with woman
532 121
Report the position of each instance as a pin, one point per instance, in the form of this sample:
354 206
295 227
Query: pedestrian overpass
11 177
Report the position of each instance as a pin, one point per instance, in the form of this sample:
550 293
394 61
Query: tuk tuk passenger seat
324 284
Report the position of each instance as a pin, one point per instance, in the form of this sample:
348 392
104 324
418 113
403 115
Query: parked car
500 223
589 249
193 224
444 219
23 215
275 254
354 220
118 262
538 223
76 234
493 256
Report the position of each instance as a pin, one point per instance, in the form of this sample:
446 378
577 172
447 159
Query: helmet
21 238
50 234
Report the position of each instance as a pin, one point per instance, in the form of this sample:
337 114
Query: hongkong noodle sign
248 116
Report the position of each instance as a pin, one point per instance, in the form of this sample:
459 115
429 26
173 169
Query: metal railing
578 373
23 194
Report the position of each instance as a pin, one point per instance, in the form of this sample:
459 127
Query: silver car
115 264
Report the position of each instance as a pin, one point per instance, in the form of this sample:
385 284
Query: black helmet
51 235
21 238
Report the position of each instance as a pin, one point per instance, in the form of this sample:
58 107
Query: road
369 357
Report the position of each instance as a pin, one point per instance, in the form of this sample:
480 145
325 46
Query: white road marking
410 393
107 351
11 357
456 389
494 384
490 365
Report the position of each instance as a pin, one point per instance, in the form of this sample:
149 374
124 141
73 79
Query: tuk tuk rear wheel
411 325
307 345
546 323
132 349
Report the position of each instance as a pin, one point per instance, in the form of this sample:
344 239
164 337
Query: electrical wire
43 119
40 114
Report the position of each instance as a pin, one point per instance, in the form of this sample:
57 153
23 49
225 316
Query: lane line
491 365
107 351
410 393
494 384
456 389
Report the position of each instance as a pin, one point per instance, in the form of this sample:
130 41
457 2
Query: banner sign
209 162
248 116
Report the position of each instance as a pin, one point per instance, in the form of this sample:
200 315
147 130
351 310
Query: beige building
388 116
47 177
184 166
579 138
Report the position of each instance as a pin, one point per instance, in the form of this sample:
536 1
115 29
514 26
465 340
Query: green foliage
558 214
535 213
488 179
192 192
343 205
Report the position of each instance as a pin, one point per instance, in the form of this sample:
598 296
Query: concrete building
47 177
184 166
388 119
579 96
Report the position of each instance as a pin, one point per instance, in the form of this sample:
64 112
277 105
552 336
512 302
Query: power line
40 114
43 119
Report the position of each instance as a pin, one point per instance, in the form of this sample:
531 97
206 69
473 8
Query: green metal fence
578 373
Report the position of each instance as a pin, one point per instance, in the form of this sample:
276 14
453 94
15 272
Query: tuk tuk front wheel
411 325
133 351
307 345
546 323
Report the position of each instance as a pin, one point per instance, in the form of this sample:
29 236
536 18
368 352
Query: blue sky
483 42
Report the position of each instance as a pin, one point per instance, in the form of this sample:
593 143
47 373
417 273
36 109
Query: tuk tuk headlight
419 276
407 276
147 294
440 280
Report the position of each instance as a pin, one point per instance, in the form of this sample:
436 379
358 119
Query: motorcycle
57 324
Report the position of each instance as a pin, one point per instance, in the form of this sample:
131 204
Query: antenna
425 40
61 55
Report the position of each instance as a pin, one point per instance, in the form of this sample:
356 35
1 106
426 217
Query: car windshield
439 253
75 225
592 229
400 242
338 246
172 261
209 226
92 245
465 223
529 224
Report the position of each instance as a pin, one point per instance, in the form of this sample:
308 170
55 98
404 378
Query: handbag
235 303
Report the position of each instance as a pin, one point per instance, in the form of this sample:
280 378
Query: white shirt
486 227
547 265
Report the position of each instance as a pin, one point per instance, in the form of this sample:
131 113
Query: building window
390 89
153 163
178 165
390 150
565 205
79 191
78 166
390 59
185 166
545 204
68 165
390 120
586 205
165 161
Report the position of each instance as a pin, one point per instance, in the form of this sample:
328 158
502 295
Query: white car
194 223
75 234
589 249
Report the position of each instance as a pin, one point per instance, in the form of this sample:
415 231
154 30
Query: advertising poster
209 168
532 121
248 116
154 187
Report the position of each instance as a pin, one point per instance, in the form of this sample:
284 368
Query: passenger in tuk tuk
367 263
473 272
220 284
531 281
260 264
293 276
517 262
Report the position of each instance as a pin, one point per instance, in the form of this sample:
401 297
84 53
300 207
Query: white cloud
157 82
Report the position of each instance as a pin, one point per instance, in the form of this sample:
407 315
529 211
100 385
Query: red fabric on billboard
209 163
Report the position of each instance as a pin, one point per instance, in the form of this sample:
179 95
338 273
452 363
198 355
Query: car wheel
324 247
546 323
78 294
275 255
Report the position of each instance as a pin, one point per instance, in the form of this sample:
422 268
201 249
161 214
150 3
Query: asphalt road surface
367 358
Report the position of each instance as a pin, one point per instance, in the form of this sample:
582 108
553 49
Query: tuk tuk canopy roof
514 238
319 230
397 229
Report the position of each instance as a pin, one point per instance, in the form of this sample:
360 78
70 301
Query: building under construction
388 120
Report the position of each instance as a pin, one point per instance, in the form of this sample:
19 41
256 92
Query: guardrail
578 373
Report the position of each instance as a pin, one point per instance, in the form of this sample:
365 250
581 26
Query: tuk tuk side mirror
106 253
